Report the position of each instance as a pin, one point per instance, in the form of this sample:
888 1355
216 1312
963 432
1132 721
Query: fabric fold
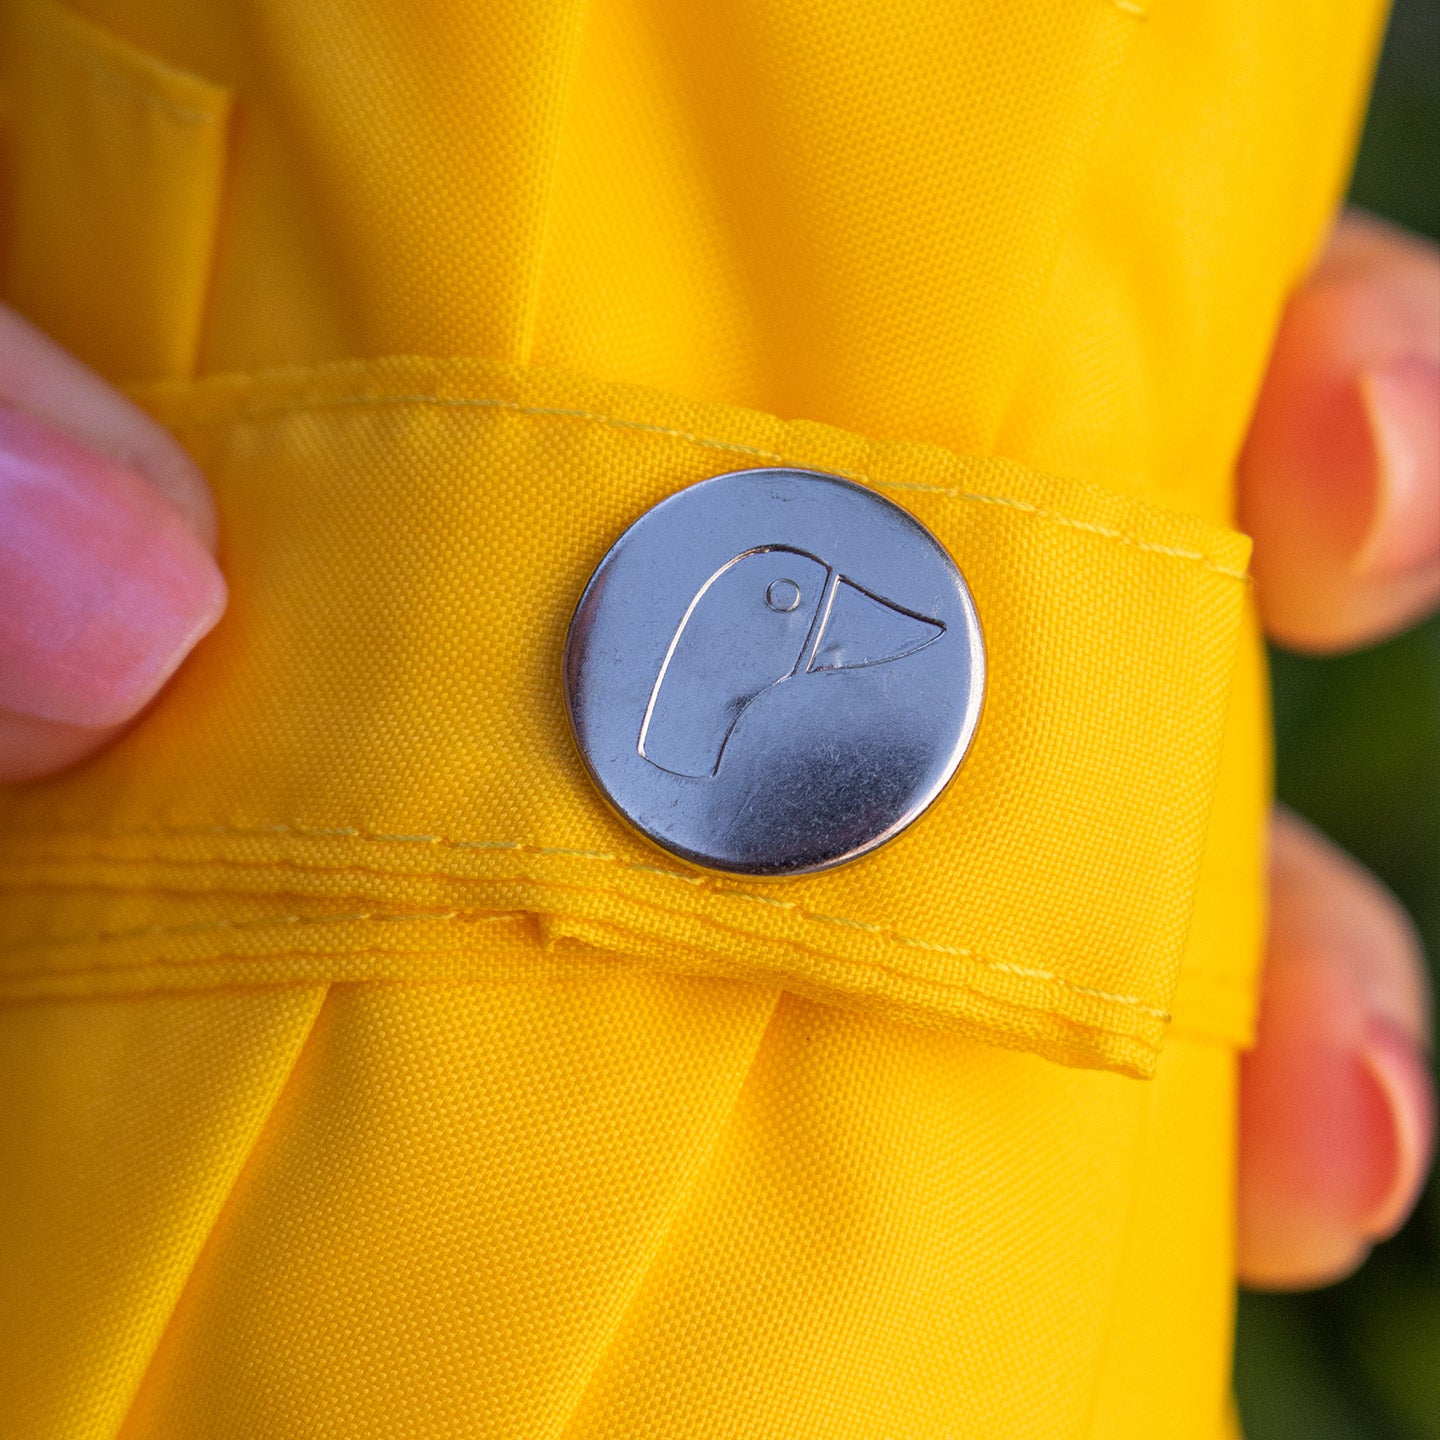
126 1125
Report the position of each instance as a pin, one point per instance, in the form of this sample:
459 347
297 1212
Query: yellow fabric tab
375 737
116 169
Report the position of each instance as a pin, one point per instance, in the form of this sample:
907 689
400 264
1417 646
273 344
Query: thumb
106 577
1337 1108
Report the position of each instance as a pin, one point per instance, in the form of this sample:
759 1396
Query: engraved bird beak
858 628
767 616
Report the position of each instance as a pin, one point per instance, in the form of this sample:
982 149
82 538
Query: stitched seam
8 981
554 412
443 842
1045 977
514 847
261 922
1131 1002
117 80
1147 1046
1022 1007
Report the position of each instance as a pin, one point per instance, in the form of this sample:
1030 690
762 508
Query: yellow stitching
854 925
928 945
469 917
1045 976
119 83
112 76
924 980
1033 974
555 412
1130 8
668 874
444 842
755 899
1147 1047
263 922
1091 529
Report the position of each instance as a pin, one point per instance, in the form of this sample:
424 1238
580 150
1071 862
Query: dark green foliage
1359 753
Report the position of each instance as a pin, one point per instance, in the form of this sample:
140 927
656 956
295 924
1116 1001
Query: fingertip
1337 1116
1405 1139
104 585
1304 1138
1401 402
32 749
1340 474
1319 1189
43 379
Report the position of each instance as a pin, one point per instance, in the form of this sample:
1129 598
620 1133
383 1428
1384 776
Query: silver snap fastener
774 671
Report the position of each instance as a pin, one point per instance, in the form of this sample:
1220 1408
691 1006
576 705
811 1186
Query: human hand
1340 487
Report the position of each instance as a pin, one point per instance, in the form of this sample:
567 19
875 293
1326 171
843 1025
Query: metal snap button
774 671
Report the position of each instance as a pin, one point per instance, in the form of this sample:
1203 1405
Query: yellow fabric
1068 844
130 152
518 1137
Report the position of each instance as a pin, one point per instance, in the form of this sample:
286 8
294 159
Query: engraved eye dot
783 595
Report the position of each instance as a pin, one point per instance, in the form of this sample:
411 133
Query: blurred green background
1359 753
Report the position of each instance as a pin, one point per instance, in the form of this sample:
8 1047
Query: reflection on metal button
774 672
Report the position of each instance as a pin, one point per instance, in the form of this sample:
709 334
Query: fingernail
1401 405
1402 1091
104 589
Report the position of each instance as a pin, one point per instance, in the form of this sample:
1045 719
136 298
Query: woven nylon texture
300 1137
1069 842
638 1206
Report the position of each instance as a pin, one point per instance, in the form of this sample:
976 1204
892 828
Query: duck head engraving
769 615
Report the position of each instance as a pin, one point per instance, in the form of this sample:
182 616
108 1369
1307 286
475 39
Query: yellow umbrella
364 1074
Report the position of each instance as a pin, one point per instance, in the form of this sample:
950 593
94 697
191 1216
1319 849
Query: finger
1340 476
44 379
106 582
1337 1113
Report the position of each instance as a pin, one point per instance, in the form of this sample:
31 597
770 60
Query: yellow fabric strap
370 757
